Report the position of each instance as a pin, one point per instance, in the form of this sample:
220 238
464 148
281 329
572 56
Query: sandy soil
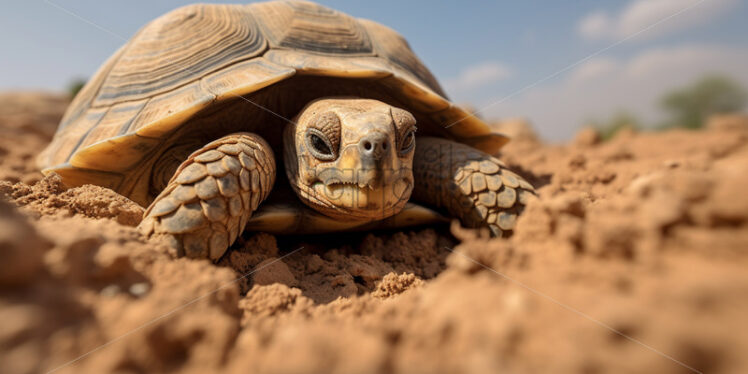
632 259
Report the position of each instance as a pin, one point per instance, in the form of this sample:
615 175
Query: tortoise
191 116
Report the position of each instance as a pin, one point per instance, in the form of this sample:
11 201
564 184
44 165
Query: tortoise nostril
374 146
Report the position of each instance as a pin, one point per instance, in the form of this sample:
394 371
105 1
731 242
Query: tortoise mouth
335 189
357 200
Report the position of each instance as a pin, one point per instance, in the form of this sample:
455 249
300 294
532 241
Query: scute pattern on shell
209 200
214 36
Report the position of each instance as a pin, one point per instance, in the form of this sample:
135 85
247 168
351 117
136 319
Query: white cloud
595 25
600 87
593 69
478 75
638 15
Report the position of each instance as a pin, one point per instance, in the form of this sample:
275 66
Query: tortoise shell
203 71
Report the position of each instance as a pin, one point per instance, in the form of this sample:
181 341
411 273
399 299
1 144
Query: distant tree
75 86
619 121
690 106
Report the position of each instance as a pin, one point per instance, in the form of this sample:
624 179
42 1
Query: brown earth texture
632 259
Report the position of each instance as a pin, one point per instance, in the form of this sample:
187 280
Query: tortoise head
351 158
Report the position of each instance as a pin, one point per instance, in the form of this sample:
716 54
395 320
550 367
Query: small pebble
139 289
110 290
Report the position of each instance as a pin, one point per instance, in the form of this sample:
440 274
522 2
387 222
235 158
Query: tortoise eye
408 141
319 146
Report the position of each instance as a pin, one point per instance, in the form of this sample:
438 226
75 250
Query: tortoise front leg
208 201
472 185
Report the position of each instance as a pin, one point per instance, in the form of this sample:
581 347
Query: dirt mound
28 121
50 197
631 259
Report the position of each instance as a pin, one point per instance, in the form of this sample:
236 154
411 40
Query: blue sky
556 63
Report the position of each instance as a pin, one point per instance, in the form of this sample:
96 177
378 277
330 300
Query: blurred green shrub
75 86
690 106
621 120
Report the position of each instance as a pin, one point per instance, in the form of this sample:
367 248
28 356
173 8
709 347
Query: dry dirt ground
632 259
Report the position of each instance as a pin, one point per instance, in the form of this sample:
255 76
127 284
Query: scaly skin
207 203
472 185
